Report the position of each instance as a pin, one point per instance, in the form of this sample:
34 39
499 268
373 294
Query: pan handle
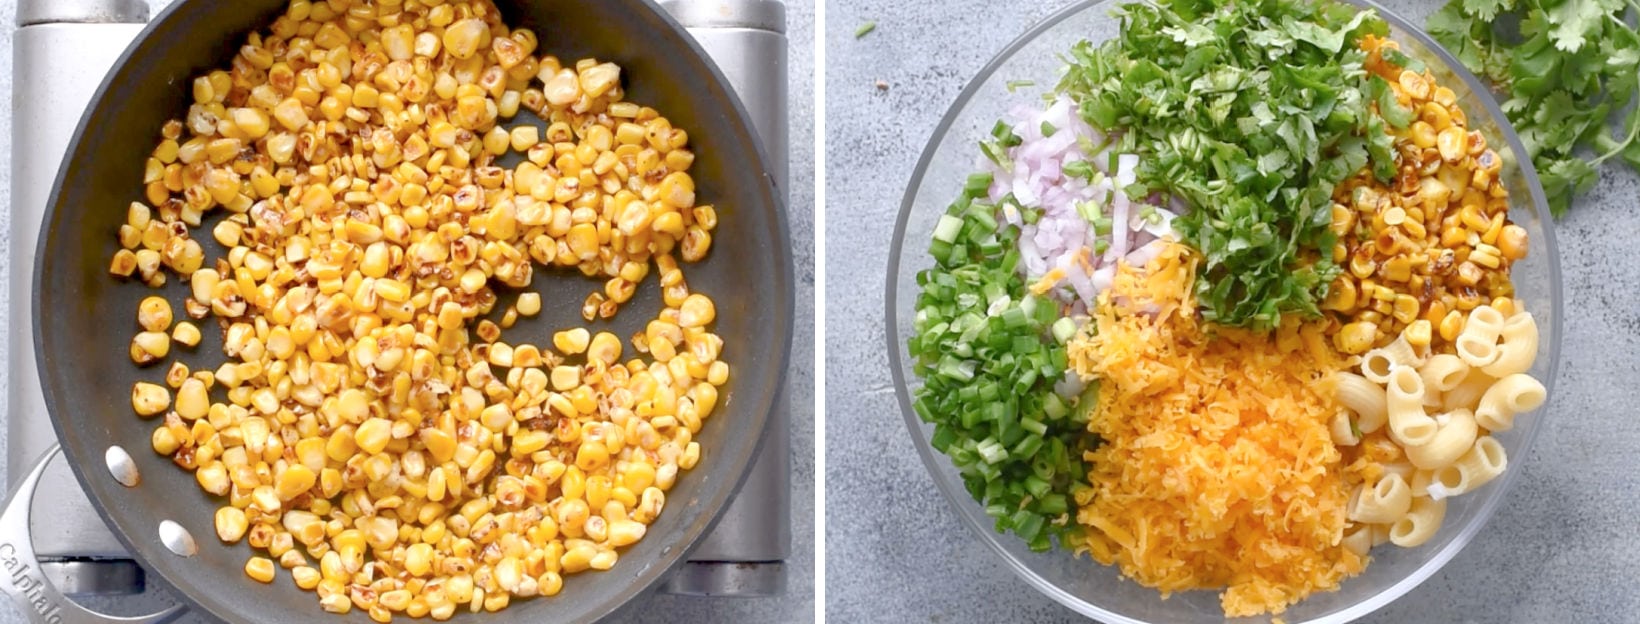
20 575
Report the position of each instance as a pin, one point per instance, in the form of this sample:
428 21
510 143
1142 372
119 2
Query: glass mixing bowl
1100 591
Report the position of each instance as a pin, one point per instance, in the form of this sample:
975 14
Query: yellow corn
260 568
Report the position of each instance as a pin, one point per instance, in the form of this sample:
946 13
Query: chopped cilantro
1252 112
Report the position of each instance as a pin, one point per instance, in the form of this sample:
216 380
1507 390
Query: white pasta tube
1364 398
1376 364
1443 372
1409 425
1400 468
1518 346
1477 344
1380 534
1451 441
1359 539
1385 502
1420 523
1468 393
1515 394
1342 435
1477 351
1420 482
1483 463
1485 321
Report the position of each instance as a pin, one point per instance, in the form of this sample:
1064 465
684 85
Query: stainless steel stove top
62 49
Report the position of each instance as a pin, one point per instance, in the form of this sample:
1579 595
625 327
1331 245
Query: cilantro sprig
1569 68
1253 112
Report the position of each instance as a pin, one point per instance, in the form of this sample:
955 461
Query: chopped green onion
1019 84
1048 129
1064 329
1078 168
946 230
865 29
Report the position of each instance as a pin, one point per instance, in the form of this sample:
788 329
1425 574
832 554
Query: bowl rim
1482 93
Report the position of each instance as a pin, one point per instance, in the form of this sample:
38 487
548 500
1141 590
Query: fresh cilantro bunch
1253 111
1569 67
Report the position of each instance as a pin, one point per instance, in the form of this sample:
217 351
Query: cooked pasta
1454 438
1386 501
1517 347
1420 523
1477 350
1376 364
1443 372
1476 389
1484 321
1484 462
1409 425
1506 398
1468 393
1359 539
1342 433
1363 397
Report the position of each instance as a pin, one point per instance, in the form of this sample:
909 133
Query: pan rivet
176 538
122 466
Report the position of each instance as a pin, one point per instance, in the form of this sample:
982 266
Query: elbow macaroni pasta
1419 524
1454 438
1385 502
1518 346
1363 397
1444 372
1409 425
1476 390
1377 364
1509 396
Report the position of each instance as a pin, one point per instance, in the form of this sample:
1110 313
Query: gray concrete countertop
1562 549
798 602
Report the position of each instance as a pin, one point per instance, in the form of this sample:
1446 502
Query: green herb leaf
1251 112
1563 67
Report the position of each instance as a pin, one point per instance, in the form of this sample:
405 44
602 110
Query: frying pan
86 317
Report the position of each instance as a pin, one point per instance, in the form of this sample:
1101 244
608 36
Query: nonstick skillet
86 317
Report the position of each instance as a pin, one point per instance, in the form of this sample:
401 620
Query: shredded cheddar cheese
1217 469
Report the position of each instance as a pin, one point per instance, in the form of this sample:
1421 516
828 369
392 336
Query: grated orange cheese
1217 469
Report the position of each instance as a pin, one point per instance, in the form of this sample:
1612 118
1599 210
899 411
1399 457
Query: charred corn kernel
1451 325
154 314
349 283
373 435
1419 333
150 346
149 399
1355 338
123 264
230 524
186 334
697 311
529 304
260 569
164 441
1405 308
306 577
573 341
565 378
192 401
177 374
1452 143
605 347
1511 242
